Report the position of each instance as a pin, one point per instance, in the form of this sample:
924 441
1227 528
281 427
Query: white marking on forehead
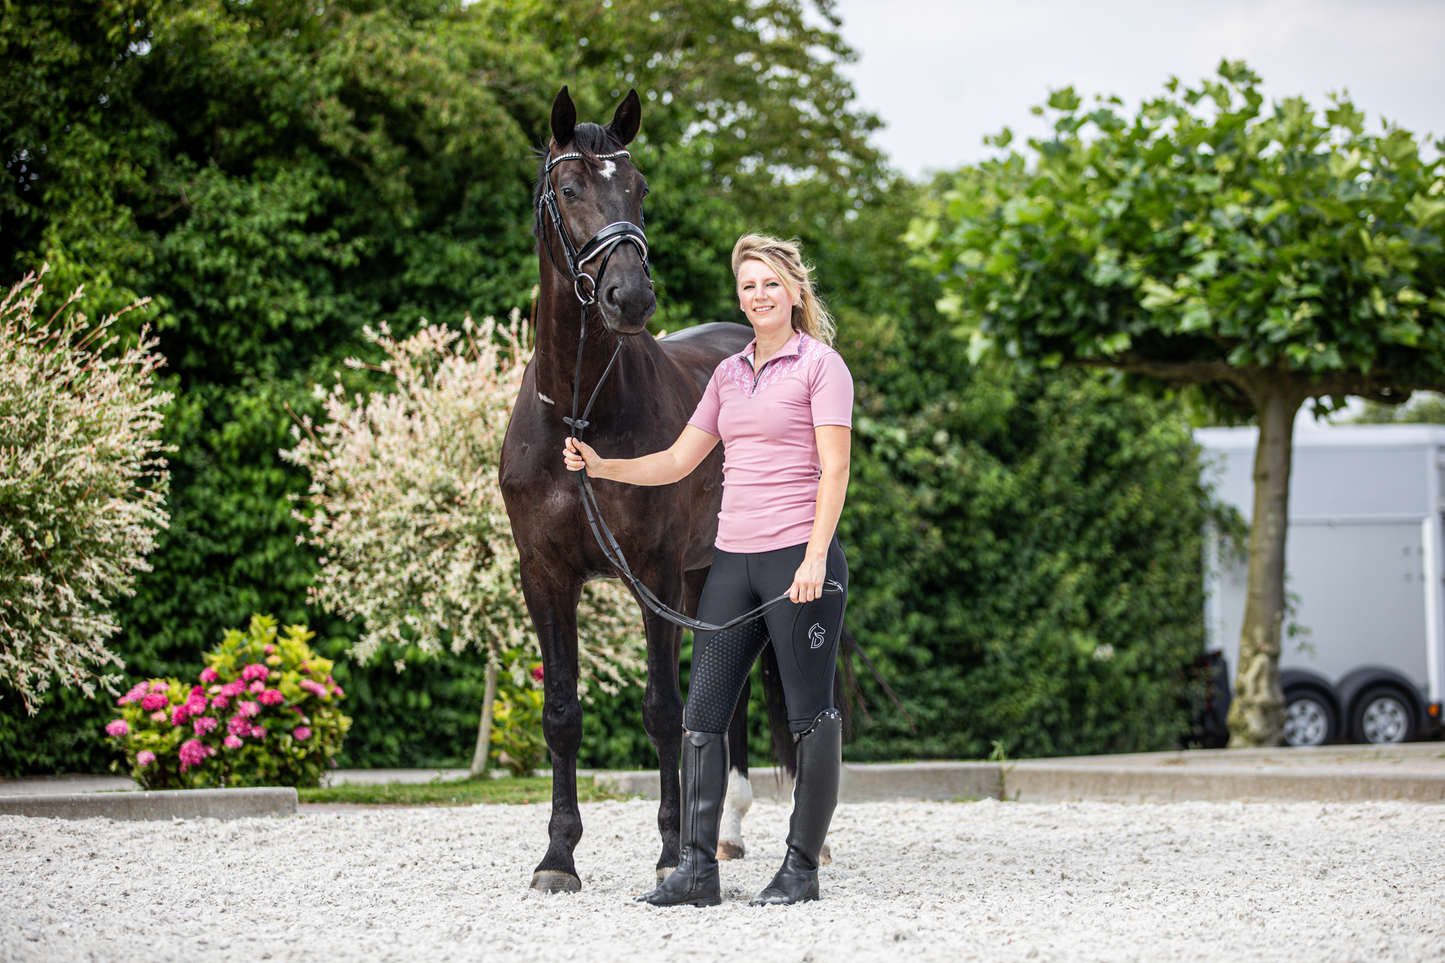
608 169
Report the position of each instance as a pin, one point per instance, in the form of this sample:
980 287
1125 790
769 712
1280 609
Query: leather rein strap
603 244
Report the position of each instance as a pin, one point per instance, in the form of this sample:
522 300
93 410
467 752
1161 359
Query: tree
82 488
1263 255
405 508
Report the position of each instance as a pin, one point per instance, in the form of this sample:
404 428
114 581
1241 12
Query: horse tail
785 754
849 683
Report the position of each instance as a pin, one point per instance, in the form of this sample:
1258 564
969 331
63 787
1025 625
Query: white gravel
909 881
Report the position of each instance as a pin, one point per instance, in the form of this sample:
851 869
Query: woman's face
764 299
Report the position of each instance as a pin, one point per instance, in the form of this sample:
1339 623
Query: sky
943 73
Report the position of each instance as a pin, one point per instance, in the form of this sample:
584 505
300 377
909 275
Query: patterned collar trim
739 367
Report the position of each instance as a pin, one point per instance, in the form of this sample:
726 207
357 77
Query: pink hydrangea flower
154 701
271 697
247 708
144 758
232 742
220 702
232 689
117 728
193 753
304 669
197 690
336 691
269 649
179 715
258 686
209 675
254 671
257 732
537 673
312 686
159 716
137 692
301 733
204 725
239 726
160 685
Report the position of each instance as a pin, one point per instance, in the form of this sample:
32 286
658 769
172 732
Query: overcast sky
943 73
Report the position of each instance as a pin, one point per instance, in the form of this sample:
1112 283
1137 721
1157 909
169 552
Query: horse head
589 213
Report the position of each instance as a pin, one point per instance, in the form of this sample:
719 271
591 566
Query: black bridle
603 244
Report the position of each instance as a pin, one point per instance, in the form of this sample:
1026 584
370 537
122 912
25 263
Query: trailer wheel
1309 719
1383 715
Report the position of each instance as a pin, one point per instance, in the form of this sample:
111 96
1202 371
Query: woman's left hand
808 582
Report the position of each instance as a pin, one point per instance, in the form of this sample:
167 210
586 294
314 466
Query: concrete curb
163 804
1040 781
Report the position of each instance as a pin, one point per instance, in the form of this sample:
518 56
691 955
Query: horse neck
559 321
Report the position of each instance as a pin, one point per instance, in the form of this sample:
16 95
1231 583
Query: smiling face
764 299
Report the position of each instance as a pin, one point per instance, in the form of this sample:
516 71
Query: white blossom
83 483
405 506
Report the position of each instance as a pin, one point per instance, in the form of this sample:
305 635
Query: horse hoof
555 881
727 849
665 871
826 856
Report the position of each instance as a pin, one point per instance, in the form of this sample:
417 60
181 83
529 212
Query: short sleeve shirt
770 459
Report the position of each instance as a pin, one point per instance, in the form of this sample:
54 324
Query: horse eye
568 192
646 191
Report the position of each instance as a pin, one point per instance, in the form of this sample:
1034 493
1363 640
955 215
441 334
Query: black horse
589 189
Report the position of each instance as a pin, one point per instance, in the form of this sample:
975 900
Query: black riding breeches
804 636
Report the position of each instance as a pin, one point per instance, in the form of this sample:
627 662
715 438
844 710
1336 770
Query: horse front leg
552 602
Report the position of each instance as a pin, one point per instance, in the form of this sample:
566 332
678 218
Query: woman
783 410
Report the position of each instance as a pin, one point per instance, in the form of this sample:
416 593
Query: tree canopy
1262 253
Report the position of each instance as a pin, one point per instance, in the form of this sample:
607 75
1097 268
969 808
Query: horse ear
628 119
564 118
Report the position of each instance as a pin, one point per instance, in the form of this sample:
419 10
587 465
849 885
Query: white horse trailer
1363 574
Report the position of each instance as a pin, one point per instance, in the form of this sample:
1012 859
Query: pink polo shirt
770 454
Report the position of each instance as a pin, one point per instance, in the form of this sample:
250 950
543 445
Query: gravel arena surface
909 881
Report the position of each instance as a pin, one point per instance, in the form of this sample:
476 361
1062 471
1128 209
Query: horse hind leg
739 797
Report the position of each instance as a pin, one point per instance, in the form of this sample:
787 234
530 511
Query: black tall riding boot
815 796
704 783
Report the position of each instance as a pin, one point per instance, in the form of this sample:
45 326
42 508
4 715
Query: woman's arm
834 451
658 468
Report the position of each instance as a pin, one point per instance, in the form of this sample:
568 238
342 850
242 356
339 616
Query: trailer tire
1309 717
1383 715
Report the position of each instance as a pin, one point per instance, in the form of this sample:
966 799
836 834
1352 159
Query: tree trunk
484 729
1256 714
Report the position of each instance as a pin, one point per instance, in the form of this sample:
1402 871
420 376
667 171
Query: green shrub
264 714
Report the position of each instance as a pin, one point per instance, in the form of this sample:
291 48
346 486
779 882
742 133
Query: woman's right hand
579 455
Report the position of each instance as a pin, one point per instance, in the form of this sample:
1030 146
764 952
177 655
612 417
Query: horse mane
589 140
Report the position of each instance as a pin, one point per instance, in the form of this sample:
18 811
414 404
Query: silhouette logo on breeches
816 634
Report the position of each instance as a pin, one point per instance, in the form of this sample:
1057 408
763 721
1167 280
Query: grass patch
456 792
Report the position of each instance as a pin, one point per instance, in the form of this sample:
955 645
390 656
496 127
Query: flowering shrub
82 488
517 739
263 712
406 509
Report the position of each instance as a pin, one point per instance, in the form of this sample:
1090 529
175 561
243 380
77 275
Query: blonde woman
783 409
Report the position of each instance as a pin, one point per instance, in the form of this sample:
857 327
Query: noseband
602 244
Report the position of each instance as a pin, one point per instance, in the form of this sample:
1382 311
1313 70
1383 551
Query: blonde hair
785 260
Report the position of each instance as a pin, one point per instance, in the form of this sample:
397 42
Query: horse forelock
589 140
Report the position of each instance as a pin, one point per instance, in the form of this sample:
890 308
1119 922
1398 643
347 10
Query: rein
603 244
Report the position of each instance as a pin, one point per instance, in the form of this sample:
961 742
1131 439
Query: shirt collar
791 349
